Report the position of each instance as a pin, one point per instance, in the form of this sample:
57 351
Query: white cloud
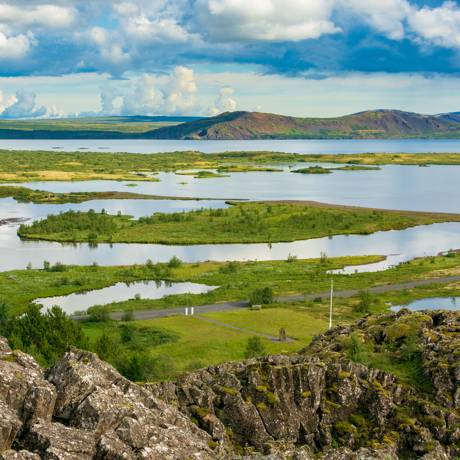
52 16
440 26
266 20
22 105
165 30
384 16
224 102
178 93
142 101
15 47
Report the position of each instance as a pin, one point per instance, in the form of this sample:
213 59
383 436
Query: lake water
394 187
122 291
287 146
399 246
435 303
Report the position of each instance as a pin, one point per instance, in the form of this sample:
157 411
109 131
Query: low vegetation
32 166
242 223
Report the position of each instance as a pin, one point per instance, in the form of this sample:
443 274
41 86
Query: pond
122 291
434 303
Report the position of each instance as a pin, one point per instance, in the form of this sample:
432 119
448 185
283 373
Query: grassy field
29 166
242 223
200 343
27 195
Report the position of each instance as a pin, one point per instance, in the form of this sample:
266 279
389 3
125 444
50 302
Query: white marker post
186 311
191 312
330 314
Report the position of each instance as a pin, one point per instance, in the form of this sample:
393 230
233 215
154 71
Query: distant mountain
372 124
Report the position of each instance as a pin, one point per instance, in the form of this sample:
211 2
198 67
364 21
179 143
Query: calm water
120 292
287 146
435 303
394 187
399 246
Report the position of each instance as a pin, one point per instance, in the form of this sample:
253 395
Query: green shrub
262 296
174 262
255 347
99 313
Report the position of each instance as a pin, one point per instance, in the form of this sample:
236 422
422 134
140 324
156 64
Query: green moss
18 376
229 391
272 398
306 394
344 427
344 375
261 388
357 420
261 406
9 358
201 412
334 405
194 420
396 331
212 444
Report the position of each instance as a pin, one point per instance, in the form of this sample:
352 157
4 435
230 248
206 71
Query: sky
304 58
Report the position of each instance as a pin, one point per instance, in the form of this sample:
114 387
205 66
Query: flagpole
330 314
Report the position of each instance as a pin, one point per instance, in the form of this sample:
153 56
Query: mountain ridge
371 124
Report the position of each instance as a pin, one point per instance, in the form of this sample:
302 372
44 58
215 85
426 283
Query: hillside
366 125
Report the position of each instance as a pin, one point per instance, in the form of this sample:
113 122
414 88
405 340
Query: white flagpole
330 314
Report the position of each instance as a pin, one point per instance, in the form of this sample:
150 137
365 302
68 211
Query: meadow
172 345
243 222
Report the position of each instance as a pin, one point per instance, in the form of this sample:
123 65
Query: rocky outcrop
320 399
313 404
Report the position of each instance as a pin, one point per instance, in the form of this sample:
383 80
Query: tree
4 318
365 301
99 313
262 296
174 262
255 347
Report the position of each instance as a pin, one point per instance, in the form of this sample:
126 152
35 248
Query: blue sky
202 57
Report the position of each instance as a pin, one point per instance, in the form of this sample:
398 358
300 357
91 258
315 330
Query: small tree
365 300
174 262
128 315
262 296
255 347
99 313
4 318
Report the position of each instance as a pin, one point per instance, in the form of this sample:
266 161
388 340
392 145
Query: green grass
242 223
22 166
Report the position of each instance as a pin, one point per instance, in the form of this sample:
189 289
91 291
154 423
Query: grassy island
248 222
30 166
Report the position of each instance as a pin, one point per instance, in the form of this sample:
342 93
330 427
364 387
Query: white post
191 308
330 314
186 311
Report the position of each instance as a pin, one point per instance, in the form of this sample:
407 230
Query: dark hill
371 124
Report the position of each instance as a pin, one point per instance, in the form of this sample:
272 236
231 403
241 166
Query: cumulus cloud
440 26
52 16
22 105
178 93
224 102
142 101
15 47
384 16
266 20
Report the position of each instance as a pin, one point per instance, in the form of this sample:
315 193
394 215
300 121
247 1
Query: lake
435 188
434 303
287 146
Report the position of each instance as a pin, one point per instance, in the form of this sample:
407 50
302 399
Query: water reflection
398 246
435 303
146 289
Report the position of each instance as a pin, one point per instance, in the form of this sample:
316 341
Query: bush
255 347
58 267
99 313
262 296
231 267
174 262
128 315
357 351
291 258
365 300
